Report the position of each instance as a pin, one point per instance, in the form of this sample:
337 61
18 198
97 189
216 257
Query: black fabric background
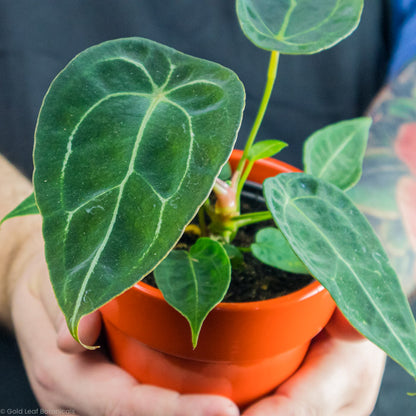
38 38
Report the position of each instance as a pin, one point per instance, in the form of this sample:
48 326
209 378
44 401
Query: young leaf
124 158
235 255
226 172
265 148
298 26
335 153
26 207
272 248
337 244
194 283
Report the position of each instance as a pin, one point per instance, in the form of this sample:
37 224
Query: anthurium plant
130 143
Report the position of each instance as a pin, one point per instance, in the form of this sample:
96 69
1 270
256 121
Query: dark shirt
38 38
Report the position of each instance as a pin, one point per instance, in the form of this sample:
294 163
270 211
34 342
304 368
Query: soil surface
255 280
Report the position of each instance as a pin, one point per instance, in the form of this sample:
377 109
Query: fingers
339 327
87 383
337 378
116 394
41 288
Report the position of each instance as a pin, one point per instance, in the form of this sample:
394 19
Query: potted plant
130 142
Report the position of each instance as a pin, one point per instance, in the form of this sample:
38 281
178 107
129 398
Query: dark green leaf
272 248
26 207
265 148
340 249
335 153
195 282
130 138
298 26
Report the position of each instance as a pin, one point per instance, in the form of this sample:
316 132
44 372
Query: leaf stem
250 218
242 181
271 77
245 249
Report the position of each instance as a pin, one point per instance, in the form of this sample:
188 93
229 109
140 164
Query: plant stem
245 249
241 182
271 77
250 218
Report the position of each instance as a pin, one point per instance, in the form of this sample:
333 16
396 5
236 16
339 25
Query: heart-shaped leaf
272 248
195 282
129 140
26 207
336 152
298 26
336 243
265 148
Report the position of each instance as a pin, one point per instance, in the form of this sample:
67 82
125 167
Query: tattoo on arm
387 190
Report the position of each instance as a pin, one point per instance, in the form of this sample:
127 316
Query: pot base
242 382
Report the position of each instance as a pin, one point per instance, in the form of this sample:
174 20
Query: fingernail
228 410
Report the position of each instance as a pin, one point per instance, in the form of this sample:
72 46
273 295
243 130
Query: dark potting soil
253 280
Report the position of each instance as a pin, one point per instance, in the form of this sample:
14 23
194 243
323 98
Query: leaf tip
195 335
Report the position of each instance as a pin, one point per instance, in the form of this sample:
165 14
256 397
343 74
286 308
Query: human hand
341 376
64 376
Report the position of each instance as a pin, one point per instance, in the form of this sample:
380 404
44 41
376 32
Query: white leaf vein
288 201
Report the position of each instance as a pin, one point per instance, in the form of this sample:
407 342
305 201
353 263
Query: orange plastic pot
244 350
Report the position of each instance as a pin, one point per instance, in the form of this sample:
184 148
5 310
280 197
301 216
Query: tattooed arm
387 190
387 194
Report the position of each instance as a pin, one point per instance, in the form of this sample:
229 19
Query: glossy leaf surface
195 282
272 248
335 153
130 138
298 26
26 207
340 249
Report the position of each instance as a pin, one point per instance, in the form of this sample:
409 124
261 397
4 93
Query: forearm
20 238
387 190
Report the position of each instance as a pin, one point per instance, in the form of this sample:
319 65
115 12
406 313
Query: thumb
90 325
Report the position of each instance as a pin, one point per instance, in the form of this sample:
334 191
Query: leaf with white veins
194 283
336 152
124 157
298 26
338 246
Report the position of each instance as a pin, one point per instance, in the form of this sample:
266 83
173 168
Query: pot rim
309 290
299 295
249 331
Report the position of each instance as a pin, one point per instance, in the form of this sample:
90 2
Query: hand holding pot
63 375
345 372
341 376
